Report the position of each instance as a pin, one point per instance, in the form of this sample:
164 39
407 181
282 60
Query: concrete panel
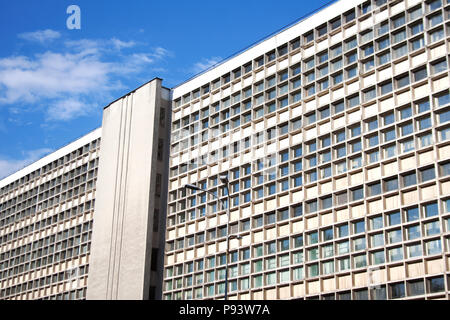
122 239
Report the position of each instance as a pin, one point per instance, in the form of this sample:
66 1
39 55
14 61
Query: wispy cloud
204 64
84 45
68 80
119 44
9 166
51 75
161 53
138 58
68 109
41 36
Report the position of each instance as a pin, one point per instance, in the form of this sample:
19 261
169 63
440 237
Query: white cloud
15 62
84 45
205 63
51 75
119 44
68 109
9 166
41 36
161 53
69 80
137 58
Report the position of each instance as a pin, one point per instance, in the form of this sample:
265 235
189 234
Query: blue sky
54 82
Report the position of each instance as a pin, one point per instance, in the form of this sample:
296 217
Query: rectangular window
413 232
433 247
313 238
383 28
353 101
398 36
389 135
407 145
366 36
402 81
351 72
298 273
383 43
436 35
359 243
386 88
416 28
372 141
395 236
432 228
349 16
431 210
378 257
351 57
339 107
395 254
409 179
427 174
415 13
309 64
370 94
420 74
442 100
412 214
433 5
337 78
323 84
356 146
398 21
400 51
414 250
297 211
434 20
296 83
417 43
439 67
445 169
397 290
391 184
336 65
336 51
384 58
436 284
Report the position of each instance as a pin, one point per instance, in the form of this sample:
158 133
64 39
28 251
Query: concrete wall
122 238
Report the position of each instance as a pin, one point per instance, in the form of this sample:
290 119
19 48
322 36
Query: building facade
333 136
128 233
50 247
46 219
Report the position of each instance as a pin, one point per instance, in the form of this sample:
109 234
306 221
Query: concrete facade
46 218
124 240
334 134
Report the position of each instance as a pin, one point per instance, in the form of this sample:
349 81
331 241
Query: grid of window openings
336 147
45 228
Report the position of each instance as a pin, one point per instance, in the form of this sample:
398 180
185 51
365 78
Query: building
333 137
333 134
46 219
47 210
128 233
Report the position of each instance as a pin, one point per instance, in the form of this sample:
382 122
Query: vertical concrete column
121 249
